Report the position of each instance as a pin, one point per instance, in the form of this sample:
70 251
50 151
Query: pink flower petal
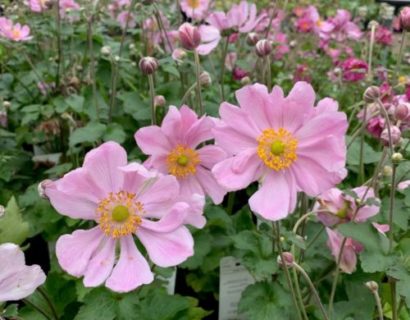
131 271
210 155
238 118
152 140
164 188
167 249
172 221
210 185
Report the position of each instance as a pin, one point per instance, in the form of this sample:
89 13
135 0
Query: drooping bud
401 112
106 50
263 48
41 188
252 39
405 18
148 65
372 285
371 94
205 79
159 101
395 135
287 259
189 36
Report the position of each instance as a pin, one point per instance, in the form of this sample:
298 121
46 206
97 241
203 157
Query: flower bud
373 24
371 94
288 259
246 80
396 157
159 101
387 171
148 65
395 135
401 112
252 39
405 18
263 48
41 188
205 79
6 104
372 285
189 36
2 211
117 58
178 54
106 50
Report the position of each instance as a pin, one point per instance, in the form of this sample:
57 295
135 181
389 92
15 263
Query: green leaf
92 132
76 102
99 305
115 133
12 226
265 300
353 154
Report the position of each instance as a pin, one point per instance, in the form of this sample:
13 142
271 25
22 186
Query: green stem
400 57
361 159
49 302
285 267
371 45
198 83
152 97
38 309
268 73
378 304
393 298
391 205
231 202
221 81
187 93
312 289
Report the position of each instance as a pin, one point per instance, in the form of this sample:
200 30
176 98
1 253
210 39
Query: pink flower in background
67 6
348 259
241 17
375 126
230 60
38 5
123 199
354 69
17 280
285 143
302 73
14 32
381 228
195 9
383 36
210 37
154 35
335 207
126 19
175 148
280 42
343 27
310 21
239 73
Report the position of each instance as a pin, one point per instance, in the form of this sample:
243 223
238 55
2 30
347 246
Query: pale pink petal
210 185
195 216
276 197
239 119
173 220
136 176
102 165
75 250
382 228
131 271
152 140
232 140
167 249
200 131
403 185
100 266
163 188
238 172
210 155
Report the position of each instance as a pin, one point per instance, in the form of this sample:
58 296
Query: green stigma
277 148
182 160
342 213
120 213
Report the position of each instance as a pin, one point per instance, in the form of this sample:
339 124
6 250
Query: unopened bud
106 50
252 39
372 285
41 188
148 65
132 46
287 259
159 101
6 104
189 36
245 81
401 112
405 18
396 157
373 24
387 171
205 79
117 58
395 135
178 54
263 48
371 94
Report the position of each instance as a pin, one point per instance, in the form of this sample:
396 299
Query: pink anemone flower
241 17
14 32
210 37
311 21
335 207
285 143
176 148
124 200
17 280
351 248
343 27
195 9
38 5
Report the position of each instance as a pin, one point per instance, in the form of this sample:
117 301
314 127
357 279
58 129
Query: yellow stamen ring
182 161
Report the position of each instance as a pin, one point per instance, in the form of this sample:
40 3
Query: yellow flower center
277 148
182 161
193 3
16 33
119 214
